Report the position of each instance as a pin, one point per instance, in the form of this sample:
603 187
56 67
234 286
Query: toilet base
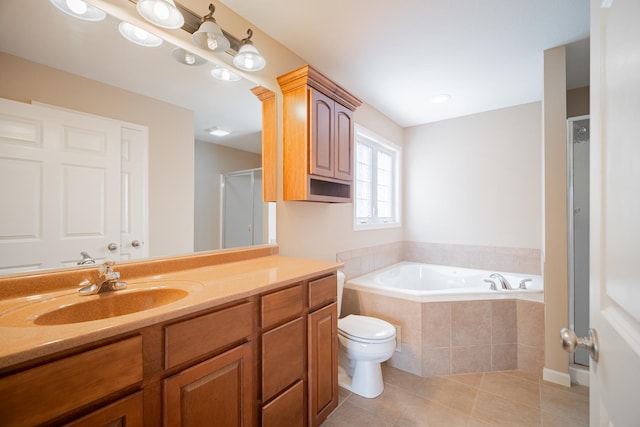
366 381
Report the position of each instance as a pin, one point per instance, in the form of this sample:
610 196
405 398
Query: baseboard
562 378
579 375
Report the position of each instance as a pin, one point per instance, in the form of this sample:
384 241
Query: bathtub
429 282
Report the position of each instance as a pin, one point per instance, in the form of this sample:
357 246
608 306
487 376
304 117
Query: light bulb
226 75
140 33
212 43
249 62
77 6
190 58
161 10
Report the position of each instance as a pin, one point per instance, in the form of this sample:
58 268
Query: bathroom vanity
251 340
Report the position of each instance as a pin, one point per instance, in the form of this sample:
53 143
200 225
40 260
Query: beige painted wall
171 140
211 160
476 180
320 230
555 208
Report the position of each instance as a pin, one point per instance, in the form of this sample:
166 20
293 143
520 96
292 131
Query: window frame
377 144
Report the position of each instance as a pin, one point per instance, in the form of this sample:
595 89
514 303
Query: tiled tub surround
442 338
365 260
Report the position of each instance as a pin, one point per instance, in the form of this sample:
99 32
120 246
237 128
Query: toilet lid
364 327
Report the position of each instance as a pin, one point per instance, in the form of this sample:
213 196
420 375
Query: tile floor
507 398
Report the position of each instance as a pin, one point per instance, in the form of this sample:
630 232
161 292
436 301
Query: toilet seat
366 329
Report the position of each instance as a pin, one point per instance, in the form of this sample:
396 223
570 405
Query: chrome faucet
86 259
108 281
503 280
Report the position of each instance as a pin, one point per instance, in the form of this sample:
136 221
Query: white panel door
60 186
134 204
615 212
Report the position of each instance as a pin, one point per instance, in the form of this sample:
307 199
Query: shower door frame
570 231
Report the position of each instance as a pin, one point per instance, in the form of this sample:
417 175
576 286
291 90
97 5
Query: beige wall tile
436 324
503 322
436 361
531 358
530 323
470 359
504 357
470 323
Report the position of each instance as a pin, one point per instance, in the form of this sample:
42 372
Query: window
377 183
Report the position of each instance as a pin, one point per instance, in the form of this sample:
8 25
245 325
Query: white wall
475 180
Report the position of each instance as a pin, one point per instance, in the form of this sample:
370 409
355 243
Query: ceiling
395 56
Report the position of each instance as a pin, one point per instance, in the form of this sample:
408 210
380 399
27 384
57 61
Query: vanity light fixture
225 74
209 35
187 58
248 58
79 9
216 131
138 35
162 13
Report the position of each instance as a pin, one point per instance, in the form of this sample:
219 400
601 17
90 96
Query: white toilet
365 342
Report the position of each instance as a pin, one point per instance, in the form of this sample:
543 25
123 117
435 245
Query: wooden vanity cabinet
318 137
267 359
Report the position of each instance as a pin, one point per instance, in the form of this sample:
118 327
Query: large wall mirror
51 58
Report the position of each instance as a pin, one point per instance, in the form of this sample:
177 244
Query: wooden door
343 143
323 363
615 212
60 186
322 129
216 392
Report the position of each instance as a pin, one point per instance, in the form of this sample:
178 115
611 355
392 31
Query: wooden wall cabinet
318 137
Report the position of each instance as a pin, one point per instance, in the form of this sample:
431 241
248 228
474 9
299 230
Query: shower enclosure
578 226
241 219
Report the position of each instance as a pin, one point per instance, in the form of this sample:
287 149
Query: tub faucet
108 281
503 280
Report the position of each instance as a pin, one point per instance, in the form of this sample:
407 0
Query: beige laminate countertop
208 287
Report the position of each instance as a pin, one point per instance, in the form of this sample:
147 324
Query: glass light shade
138 35
225 74
79 9
187 58
209 36
162 13
248 58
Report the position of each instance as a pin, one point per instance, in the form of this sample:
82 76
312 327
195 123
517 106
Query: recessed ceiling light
216 131
439 99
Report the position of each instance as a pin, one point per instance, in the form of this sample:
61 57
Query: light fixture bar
192 23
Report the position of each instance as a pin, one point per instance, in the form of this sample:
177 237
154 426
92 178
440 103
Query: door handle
136 243
570 342
112 247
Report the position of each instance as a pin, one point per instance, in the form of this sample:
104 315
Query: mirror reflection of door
241 219
63 187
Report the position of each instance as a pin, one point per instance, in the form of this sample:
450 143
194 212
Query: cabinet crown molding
308 76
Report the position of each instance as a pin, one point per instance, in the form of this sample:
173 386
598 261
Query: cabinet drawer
125 412
286 409
282 357
322 291
192 338
51 390
280 306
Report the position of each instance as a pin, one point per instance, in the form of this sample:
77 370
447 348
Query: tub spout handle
523 283
492 285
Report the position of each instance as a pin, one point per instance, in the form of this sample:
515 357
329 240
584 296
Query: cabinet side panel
295 154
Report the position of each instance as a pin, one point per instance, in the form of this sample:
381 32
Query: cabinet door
343 143
125 412
217 392
323 363
322 129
